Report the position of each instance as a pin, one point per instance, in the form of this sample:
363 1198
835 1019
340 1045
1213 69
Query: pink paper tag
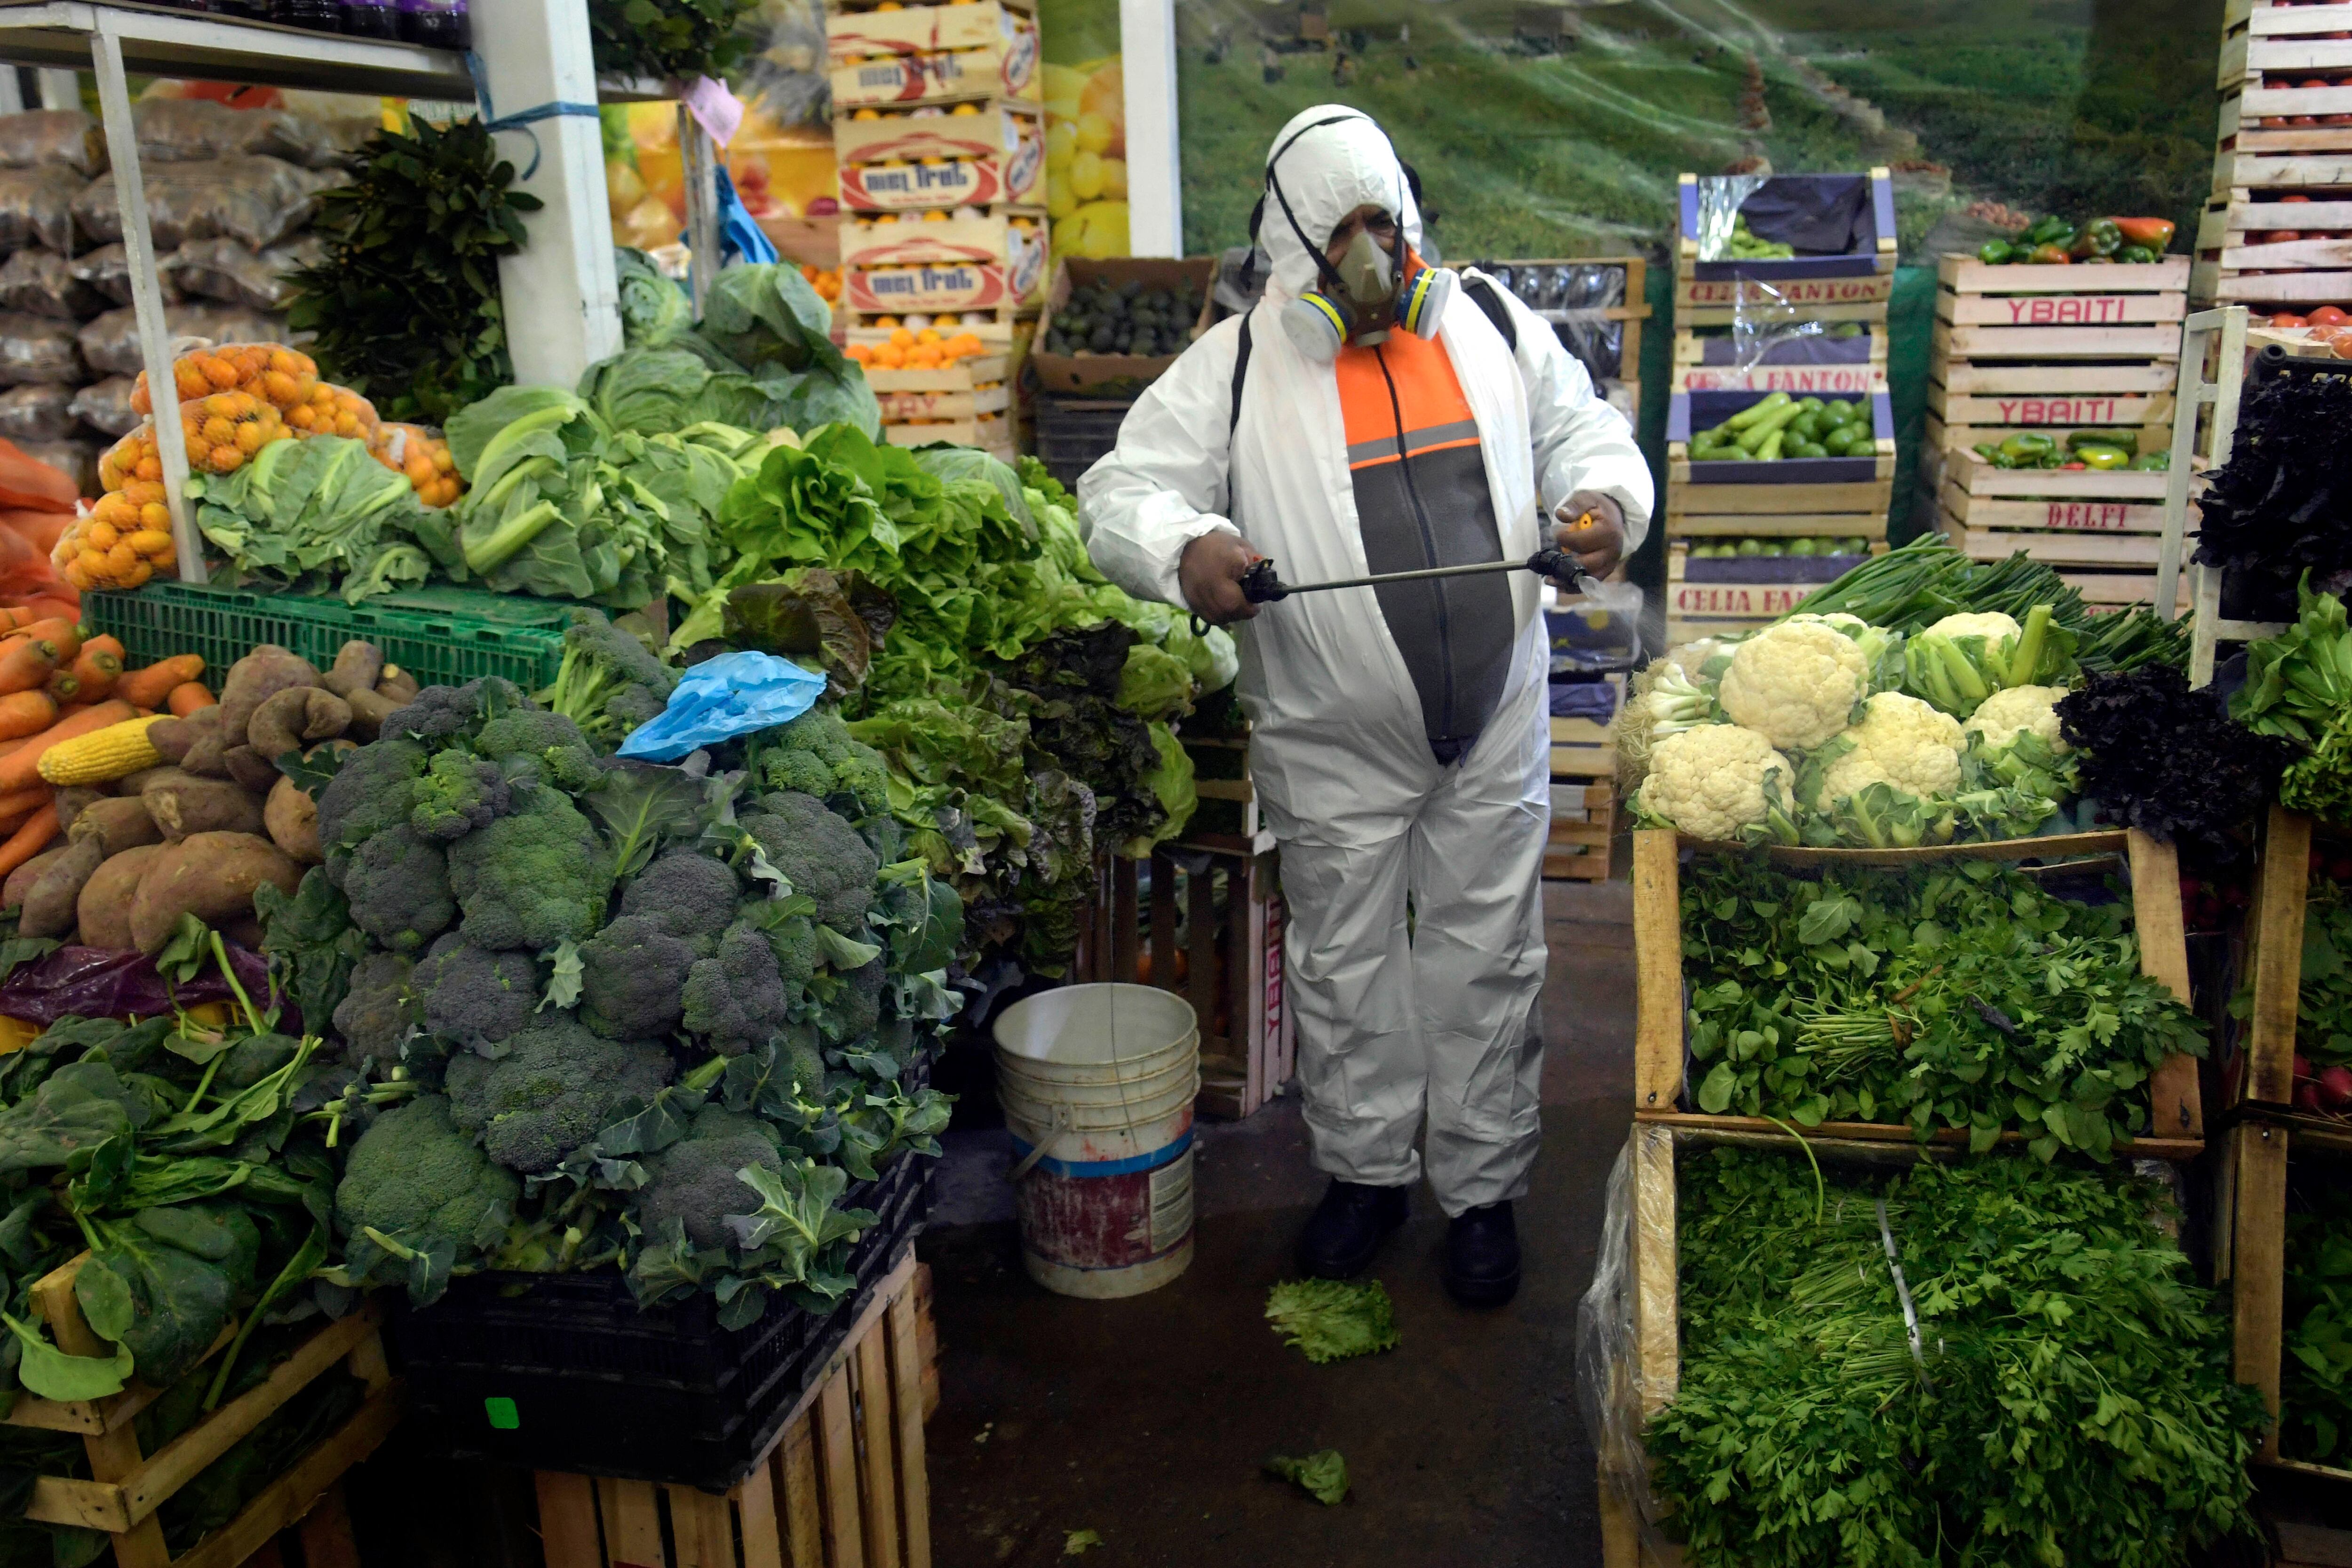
719 112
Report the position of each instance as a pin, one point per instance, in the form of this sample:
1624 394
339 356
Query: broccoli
686 894
415 1176
609 683
457 795
548 740
533 878
631 975
399 887
819 853
736 999
370 792
694 1180
374 1013
557 1087
473 998
441 713
856 1008
815 754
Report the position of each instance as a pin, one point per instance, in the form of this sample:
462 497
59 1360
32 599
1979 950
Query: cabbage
654 308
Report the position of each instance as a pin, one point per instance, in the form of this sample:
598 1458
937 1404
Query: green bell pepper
2051 230
2077 441
2101 457
2134 253
1995 455
2100 236
2020 447
1996 252
2153 463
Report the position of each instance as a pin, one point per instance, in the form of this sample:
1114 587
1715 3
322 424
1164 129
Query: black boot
1347 1227
1482 1257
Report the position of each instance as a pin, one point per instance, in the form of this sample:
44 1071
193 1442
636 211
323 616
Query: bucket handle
1061 1124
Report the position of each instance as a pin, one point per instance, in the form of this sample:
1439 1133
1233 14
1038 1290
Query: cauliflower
1900 741
1989 624
2031 710
1709 782
1794 683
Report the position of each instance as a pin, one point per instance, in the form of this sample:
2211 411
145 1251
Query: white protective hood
1327 173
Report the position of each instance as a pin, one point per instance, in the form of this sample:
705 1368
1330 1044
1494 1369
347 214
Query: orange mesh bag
125 539
422 456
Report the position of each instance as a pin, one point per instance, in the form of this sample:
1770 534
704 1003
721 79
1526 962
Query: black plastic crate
1074 433
564 1371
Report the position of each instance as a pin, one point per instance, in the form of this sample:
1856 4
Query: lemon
1114 178
1094 131
1061 142
1086 176
962 109
1060 200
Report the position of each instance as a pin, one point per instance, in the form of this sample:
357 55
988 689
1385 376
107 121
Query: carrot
65 686
26 714
12 617
190 696
30 840
28 666
25 801
45 608
60 630
98 666
21 769
150 686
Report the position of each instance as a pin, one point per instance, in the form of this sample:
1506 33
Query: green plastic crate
442 636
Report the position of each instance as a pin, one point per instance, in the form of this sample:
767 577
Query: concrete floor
1147 1420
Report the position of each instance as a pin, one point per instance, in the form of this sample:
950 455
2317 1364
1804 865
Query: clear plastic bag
37 207
186 130
41 412
1761 320
106 405
108 270
223 269
39 349
110 343
1612 1393
1571 286
260 201
42 283
78 460
66 136
1719 200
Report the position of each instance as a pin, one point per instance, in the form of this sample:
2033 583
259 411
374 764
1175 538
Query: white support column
563 299
1155 183
146 291
699 156
60 88
12 91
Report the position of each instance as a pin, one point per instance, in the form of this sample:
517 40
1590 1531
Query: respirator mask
1366 292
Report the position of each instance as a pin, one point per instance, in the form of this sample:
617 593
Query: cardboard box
994 155
1005 70
1017 240
934 286
852 35
1077 373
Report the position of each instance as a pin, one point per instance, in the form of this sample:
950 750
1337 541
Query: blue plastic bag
719 698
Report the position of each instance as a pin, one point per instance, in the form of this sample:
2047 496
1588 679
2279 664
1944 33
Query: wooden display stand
1229 965
2250 1212
1712 607
2175 1111
2274 58
2102 528
1583 835
2274 955
127 1487
847 1485
2053 350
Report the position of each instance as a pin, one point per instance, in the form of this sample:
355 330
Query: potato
141 781
294 717
369 711
69 801
176 737
292 817
359 665
211 875
49 902
257 678
21 879
118 824
250 768
397 684
103 910
203 805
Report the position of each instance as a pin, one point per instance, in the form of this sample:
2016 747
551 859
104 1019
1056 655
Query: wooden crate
2274 958
1658 1041
127 1487
2107 525
1082 371
1836 495
1855 287
989 432
1582 834
2250 1213
1581 749
2245 254
900 159
1792 368
1711 608
1252 835
1003 66
1232 963
964 390
2055 350
1630 313
846 1486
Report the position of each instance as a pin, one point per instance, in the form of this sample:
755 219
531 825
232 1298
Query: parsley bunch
1961 995
2071 1401
2316 1375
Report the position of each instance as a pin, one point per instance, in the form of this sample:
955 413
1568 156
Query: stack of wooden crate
2023 350
939 134
2277 1154
1836 498
1616 368
2276 235
1583 799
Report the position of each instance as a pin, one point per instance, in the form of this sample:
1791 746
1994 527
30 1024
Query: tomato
2278 236
2295 198
2328 316
2288 321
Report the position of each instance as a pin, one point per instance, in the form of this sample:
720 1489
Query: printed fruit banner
1552 130
1085 126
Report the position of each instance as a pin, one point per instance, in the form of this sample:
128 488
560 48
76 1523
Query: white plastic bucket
1097 1084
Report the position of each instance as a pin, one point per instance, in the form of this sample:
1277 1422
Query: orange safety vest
1422 501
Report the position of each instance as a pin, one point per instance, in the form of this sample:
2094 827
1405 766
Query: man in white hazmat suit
1373 415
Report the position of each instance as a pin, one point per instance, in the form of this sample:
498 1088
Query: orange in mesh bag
423 457
283 377
125 539
227 427
333 410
